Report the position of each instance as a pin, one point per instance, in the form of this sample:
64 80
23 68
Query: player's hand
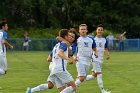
68 44
96 55
11 47
75 58
108 57
69 61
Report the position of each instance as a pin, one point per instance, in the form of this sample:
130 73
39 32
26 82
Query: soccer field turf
121 74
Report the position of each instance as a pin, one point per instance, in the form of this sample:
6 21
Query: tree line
115 15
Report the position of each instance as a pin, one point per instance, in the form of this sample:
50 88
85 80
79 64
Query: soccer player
58 73
3 44
101 45
85 48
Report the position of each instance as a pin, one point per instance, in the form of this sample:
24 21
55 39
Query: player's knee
82 79
94 74
74 87
50 85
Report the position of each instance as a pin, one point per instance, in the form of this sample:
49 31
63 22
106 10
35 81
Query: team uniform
3 60
85 47
59 74
101 44
52 78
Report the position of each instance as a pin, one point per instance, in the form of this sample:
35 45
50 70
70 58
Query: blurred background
42 19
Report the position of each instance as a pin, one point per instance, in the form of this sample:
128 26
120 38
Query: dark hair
100 25
73 30
2 24
63 33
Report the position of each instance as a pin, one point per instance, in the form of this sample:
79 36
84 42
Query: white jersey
58 64
3 35
101 44
85 47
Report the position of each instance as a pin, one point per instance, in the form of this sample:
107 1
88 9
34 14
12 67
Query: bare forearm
61 54
49 59
7 44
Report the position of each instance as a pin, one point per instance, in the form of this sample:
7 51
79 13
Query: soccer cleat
106 91
28 90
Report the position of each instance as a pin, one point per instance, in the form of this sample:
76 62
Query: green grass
121 74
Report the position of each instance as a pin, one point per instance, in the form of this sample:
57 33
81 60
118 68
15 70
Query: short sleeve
51 54
4 35
106 44
94 44
63 46
73 48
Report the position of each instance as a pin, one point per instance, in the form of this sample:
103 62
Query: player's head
73 35
83 30
4 26
64 34
100 30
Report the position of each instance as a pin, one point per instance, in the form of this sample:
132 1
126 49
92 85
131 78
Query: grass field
121 74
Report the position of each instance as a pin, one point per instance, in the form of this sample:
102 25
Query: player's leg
5 64
49 85
99 76
71 88
2 65
40 87
82 73
93 75
61 86
66 78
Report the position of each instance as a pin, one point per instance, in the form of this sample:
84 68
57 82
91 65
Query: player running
58 73
101 45
85 48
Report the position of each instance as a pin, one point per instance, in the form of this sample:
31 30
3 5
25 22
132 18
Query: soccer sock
1 72
77 82
67 90
39 88
90 77
100 82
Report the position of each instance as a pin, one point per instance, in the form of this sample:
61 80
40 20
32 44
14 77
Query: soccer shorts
60 79
97 66
82 69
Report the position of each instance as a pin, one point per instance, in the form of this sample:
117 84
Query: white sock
77 82
100 82
90 77
2 72
67 90
39 88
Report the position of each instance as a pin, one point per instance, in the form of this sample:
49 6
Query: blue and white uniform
58 72
3 60
101 44
85 47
